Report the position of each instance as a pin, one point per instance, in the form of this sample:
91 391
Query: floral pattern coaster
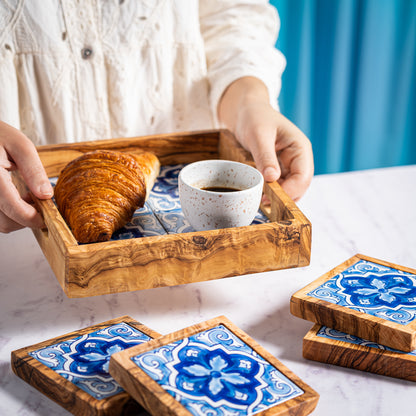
84 360
374 289
336 335
162 213
335 347
215 373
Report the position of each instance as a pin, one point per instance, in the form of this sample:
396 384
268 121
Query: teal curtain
350 80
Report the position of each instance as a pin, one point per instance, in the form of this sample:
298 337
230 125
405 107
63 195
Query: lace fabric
75 70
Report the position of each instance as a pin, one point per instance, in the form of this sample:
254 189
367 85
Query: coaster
72 370
365 297
212 368
335 347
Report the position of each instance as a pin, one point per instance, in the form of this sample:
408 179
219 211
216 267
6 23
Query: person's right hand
18 152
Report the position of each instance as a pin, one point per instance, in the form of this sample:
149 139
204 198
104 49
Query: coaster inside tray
162 213
335 347
365 297
72 369
210 368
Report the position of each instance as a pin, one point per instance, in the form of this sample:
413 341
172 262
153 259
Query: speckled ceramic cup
206 208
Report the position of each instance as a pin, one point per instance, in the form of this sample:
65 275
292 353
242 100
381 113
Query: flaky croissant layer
98 192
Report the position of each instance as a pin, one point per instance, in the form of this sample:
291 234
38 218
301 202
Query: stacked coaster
365 316
211 368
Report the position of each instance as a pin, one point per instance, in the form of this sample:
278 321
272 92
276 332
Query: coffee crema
220 189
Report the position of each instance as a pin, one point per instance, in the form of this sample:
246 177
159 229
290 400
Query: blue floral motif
219 375
84 360
374 289
380 290
94 358
174 222
215 373
165 194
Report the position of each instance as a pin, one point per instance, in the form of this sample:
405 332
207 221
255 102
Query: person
73 71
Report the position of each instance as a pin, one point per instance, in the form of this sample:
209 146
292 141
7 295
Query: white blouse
73 70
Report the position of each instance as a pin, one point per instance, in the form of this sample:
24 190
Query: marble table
370 212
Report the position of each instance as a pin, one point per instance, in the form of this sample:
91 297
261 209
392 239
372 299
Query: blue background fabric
350 80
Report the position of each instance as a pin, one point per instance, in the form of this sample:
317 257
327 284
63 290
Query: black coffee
220 189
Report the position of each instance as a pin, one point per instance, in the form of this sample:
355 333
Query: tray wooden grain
185 344
356 353
66 393
364 324
167 260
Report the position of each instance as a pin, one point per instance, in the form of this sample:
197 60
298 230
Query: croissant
98 192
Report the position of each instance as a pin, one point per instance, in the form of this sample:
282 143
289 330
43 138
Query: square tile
73 369
372 288
212 368
365 297
164 196
174 222
143 224
331 346
84 360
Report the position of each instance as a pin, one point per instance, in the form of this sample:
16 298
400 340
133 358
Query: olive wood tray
172 259
72 369
210 368
330 346
364 297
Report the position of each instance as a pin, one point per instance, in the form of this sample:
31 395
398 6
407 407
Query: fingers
280 150
18 152
15 213
261 144
266 162
23 155
299 168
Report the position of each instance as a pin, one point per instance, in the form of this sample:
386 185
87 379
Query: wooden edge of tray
287 238
169 148
170 260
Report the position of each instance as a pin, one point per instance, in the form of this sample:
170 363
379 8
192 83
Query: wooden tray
210 368
335 347
167 260
72 370
365 297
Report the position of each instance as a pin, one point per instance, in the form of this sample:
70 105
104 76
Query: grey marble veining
370 212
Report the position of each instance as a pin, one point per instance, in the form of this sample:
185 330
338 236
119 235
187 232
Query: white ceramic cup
210 209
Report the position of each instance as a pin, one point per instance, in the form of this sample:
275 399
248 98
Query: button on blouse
86 53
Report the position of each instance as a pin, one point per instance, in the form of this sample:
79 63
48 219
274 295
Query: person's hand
280 150
18 152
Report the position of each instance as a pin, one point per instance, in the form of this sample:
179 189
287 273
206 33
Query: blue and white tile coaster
335 335
162 213
216 372
374 289
339 348
372 299
76 365
84 360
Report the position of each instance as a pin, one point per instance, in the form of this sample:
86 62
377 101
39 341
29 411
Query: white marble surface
370 212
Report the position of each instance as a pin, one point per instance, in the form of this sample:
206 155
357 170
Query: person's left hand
280 150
